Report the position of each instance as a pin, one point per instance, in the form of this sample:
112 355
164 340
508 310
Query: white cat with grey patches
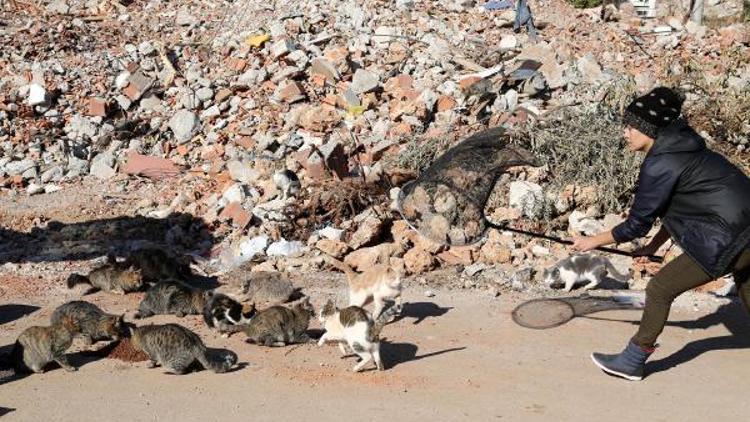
583 267
354 327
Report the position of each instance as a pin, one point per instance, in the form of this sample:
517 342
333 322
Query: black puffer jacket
702 199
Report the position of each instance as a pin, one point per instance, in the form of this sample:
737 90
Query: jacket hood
677 137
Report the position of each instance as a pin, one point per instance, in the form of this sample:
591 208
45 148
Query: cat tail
350 274
616 274
218 361
75 279
382 319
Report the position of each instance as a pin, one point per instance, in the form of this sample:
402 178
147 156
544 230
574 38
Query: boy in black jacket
703 202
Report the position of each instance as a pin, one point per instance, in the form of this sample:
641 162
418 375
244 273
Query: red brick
239 216
445 102
150 166
97 107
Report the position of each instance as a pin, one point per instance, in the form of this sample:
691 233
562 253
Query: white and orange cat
379 284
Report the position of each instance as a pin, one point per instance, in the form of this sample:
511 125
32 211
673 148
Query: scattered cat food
124 351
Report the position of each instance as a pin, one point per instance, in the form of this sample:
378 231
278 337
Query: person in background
703 202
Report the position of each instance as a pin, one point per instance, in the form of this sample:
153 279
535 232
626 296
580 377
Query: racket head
541 314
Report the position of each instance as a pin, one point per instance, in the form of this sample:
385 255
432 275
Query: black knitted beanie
654 111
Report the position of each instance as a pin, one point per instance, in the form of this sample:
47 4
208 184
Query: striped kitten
171 297
279 325
90 322
37 346
177 348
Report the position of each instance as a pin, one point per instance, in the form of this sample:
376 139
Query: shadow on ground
422 310
14 311
57 241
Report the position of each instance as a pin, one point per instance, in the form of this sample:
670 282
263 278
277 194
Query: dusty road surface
456 356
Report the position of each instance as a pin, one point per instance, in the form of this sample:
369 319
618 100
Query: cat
177 348
38 346
91 323
378 283
287 182
226 314
279 325
171 297
354 326
581 267
266 288
156 265
110 277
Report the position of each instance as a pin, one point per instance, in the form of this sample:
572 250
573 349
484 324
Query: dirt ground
454 356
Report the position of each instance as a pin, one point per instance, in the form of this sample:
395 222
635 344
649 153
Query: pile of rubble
263 115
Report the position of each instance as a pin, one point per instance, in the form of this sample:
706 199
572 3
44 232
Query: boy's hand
584 243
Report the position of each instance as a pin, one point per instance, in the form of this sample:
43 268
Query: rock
34 188
526 197
234 193
590 69
551 69
37 95
184 124
15 168
369 227
540 251
495 254
53 174
321 66
138 84
289 92
474 269
578 222
101 166
205 93
429 293
250 247
282 47
521 278
210 112
508 42
418 261
675 23
695 29
81 127
242 172
405 4
319 118
331 233
464 255
333 248
285 248
364 81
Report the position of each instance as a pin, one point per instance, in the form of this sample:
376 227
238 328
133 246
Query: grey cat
585 267
110 277
226 314
90 322
171 297
177 348
279 325
38 346
266 287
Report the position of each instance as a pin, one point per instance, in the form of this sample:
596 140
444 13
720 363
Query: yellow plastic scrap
257 40
355 111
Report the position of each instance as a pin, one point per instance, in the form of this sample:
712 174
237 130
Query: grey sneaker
629 364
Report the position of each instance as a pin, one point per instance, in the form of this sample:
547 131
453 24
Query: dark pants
677 277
